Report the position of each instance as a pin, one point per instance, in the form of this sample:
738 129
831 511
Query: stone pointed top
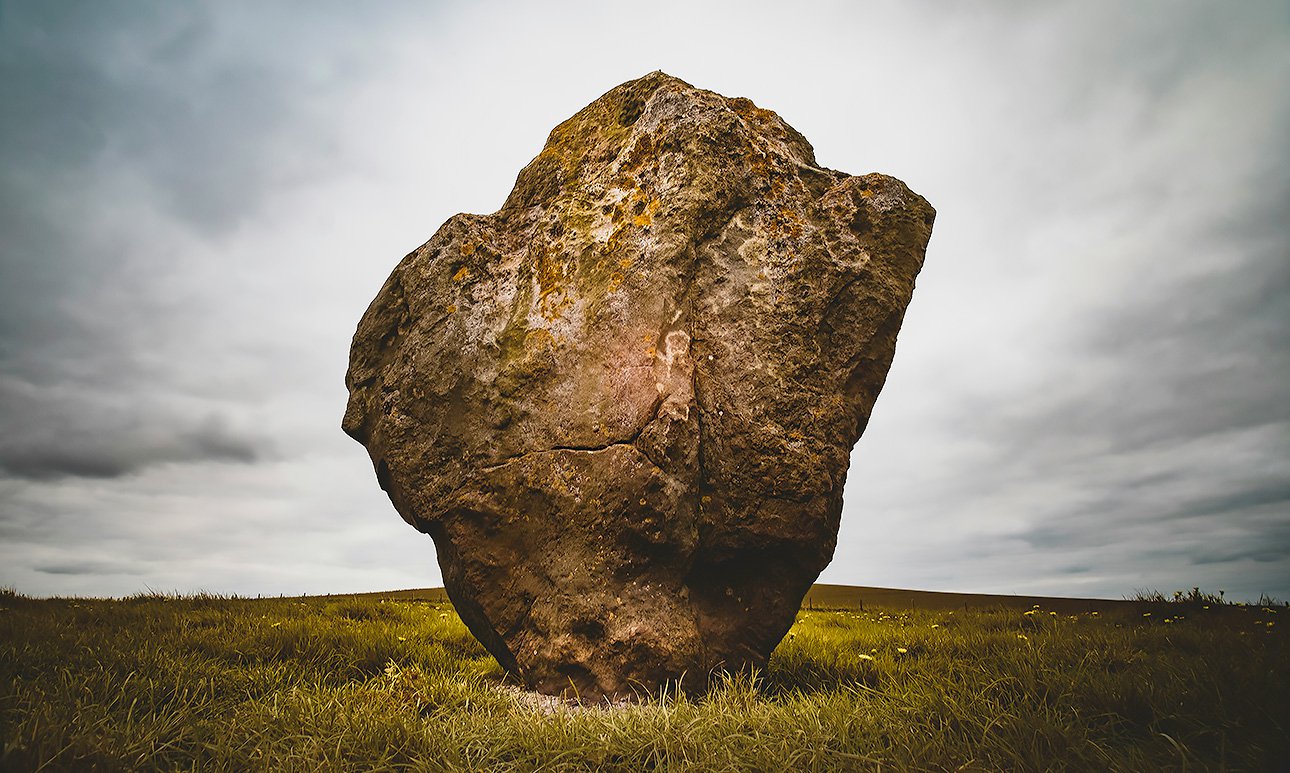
659 103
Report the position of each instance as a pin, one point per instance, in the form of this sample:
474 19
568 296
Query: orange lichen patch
462 274
637 155
548 267
777 185
866 193
645 215
552 268
759 162
539 338
452 309
791 223
762 168
639 206
784 223
749 111
584 138
468 248
553 305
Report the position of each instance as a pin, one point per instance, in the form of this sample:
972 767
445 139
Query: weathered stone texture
623 405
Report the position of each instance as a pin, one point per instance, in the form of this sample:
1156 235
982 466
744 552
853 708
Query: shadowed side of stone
623 405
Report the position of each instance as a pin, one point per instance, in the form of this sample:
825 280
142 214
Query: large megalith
623 405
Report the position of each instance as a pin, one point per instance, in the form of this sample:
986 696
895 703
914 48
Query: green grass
366 683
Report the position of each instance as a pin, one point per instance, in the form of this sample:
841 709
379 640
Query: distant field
857 597
393 681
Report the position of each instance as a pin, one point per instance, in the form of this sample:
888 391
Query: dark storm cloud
160 89
1111 394
1273 548
1164 401
159 358
1196 368
136 138
1105 520
77 111
179 116
1270 492
1207 354
85 451
110 429
89 568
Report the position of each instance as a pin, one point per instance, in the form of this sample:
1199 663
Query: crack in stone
630 441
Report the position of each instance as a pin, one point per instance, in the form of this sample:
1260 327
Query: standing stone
623 405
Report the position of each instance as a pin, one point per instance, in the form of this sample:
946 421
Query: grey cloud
1260 551
1269 545
134 132
70 429
88 568
84 450
194 105
1178 358
137 138
1121 405
1259 494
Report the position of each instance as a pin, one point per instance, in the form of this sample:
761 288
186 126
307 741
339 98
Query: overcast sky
198 201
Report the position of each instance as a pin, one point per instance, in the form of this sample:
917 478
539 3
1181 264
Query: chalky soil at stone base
623 405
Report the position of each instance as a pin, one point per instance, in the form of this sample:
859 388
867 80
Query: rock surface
623 405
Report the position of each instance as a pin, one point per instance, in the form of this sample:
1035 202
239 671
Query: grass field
395 682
